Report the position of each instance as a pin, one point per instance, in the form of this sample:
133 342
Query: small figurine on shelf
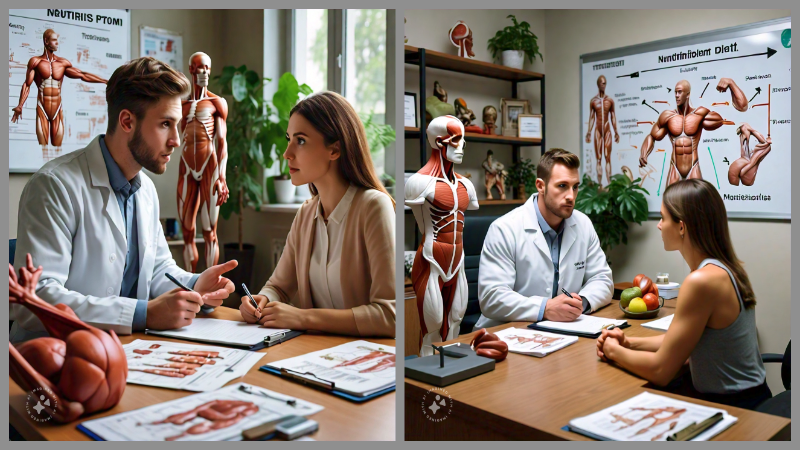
436 105
495 176
466 116
489 119
461 37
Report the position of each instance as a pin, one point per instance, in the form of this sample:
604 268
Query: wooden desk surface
340 420
532 398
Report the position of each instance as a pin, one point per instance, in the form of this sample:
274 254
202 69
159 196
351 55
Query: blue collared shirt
553 239
125 191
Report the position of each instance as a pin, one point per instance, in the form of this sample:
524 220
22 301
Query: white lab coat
70 222
516 270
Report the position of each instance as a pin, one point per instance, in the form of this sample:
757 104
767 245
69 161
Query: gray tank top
727 360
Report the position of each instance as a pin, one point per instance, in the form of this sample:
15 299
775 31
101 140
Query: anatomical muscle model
78 368
461 37
47 71
204 155
746 166
439 198
684 125
601 109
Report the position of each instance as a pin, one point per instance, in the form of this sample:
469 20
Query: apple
637 305
651 300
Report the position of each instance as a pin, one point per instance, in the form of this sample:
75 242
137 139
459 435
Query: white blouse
326 254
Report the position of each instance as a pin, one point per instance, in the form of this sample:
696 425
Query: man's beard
554 209
143 155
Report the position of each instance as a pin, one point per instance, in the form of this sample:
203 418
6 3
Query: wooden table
529 398
340 420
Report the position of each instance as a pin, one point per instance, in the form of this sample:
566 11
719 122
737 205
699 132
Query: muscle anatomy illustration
684 126
370 362
218 414
541 340
744 169
204 154
171 363
659 416
47 71
602 116
439 197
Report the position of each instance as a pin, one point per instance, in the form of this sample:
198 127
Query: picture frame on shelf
511 109
529 126
410 110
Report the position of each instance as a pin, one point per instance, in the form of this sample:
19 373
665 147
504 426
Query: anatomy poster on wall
58 64
715 106
163 45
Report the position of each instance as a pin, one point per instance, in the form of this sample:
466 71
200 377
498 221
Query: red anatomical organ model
489 345
81 368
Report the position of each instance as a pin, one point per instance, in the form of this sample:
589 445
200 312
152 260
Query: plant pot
243 273
284 191
513 58
302 194
521 195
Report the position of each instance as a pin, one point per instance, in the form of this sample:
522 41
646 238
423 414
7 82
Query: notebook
229 332
534 343
648 417
358 369
584 326
661 324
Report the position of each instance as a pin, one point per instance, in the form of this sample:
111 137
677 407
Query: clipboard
533 326
268 341
324 385
96 437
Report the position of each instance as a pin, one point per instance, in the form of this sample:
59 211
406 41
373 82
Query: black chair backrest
475 228
786 367
12 249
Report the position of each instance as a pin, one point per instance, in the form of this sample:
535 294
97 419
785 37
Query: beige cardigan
368 256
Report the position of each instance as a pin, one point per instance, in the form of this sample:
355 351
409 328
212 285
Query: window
310 55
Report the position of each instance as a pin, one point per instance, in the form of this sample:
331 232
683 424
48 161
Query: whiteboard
94 41
163 45
641 80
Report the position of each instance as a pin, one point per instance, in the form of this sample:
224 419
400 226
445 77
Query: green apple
628 295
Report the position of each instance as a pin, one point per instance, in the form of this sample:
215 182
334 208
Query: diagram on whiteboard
58 66
719 111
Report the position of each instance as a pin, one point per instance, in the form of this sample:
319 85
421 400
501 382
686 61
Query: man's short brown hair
555 156
139 84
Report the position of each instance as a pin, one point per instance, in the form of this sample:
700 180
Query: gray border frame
689 39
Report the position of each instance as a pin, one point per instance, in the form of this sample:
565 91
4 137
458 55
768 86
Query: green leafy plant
252 134
612 208
523 173
516 37
378 135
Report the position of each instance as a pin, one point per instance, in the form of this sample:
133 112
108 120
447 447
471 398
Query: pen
566 292
178 283
252 300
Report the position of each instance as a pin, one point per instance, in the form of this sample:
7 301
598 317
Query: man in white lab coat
533 252
91 218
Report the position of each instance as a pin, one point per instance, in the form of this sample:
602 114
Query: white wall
762 245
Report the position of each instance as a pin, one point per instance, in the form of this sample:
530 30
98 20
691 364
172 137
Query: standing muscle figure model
201 177
439 197
746 166
601 109
47 72
495 175
684 125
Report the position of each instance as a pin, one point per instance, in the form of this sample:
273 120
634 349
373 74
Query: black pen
252 300
178 283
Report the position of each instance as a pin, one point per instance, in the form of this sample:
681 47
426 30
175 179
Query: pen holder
643 315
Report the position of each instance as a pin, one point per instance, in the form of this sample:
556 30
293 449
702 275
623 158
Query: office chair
475 228
781 404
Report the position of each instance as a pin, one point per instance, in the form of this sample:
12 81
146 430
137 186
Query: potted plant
280 188
522 175
514 43
612 208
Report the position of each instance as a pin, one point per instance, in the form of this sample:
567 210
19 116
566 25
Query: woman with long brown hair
714 326
336 273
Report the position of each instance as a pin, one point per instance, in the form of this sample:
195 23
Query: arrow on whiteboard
758 91
769 54
644 102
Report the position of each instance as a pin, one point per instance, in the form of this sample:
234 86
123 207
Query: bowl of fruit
642 300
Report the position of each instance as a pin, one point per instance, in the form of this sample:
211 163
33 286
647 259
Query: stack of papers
534 343
358 368
661 324
211 416
669 290
584 325
190 367
226 332
649 417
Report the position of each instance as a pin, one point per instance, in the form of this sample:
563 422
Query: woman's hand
249 313
615 335
282 315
